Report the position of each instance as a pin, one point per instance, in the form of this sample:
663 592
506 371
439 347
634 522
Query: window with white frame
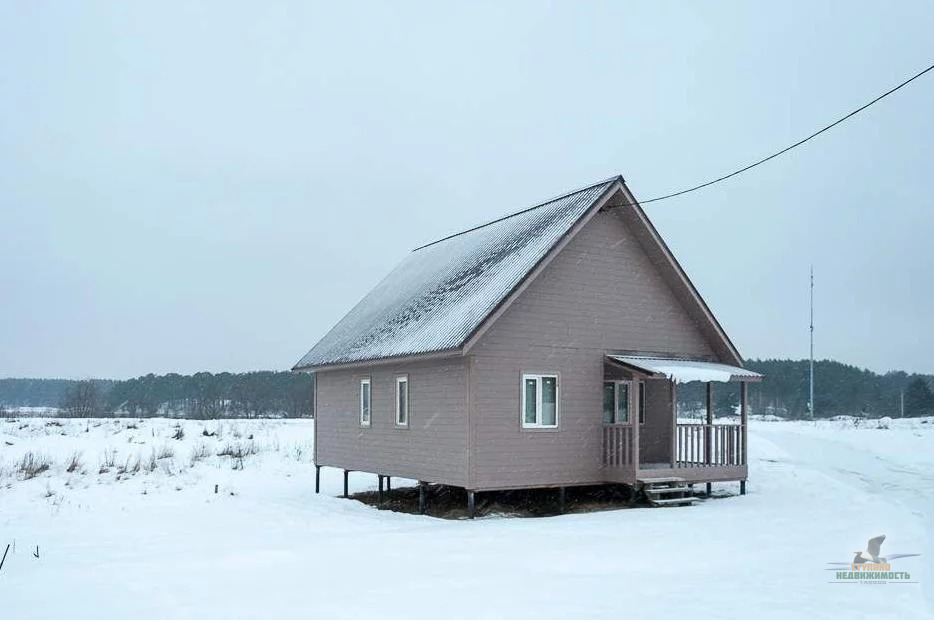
615 402
402 401
366 396
539 401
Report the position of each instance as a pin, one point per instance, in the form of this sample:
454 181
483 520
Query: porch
652 444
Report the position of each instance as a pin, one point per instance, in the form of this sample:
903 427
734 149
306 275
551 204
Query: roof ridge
526 210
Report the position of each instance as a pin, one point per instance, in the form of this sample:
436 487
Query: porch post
673 394
743 419
634 422
708 432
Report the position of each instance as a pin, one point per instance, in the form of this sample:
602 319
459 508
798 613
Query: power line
788 148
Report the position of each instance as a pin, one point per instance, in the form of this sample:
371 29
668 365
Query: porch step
667 492
648 481
675 501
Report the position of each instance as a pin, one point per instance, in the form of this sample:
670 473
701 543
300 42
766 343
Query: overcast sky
212 187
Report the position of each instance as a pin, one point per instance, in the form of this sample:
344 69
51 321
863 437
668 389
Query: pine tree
919 400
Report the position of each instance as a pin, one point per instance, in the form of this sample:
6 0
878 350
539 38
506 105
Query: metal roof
684 371
442 292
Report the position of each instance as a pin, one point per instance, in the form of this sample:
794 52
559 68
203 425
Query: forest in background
840 389
203 395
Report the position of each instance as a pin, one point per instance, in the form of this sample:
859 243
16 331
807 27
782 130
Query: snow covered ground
137 531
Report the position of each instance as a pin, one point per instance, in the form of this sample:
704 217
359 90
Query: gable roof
439 295
443 296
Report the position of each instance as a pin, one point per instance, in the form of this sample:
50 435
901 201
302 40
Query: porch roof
683 370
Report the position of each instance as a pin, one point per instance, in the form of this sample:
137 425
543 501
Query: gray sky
214 186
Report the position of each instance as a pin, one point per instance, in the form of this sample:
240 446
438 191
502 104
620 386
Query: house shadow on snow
446 502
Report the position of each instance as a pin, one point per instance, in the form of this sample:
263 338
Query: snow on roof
441 293
684 371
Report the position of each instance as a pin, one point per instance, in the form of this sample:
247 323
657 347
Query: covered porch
643 440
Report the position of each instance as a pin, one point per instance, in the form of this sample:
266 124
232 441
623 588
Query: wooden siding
432 448
602 292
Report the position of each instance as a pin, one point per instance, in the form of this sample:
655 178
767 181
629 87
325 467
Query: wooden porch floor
709 473
692 475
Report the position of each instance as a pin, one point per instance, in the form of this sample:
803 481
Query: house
543 349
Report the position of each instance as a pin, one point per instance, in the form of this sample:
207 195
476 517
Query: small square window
539 401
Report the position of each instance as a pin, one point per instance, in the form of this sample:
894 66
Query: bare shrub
130 466
74 463
199 453
108 462
165 452
179 432
32 465
238 450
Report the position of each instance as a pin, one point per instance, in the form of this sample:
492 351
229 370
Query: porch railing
617 445
704 445
697 445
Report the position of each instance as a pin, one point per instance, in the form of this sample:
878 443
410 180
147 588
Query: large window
539 401
615 402
402 401
365 401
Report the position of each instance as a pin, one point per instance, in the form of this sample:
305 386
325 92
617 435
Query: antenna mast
811 398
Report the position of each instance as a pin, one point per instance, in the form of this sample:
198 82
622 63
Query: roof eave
381 361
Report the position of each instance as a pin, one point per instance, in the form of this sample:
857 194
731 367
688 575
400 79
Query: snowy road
163 545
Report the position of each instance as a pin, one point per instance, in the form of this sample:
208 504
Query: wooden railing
617 445
704 445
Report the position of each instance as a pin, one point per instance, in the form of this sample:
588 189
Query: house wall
600 293
434 446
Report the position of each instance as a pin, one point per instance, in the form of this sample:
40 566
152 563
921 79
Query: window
615 402
402 401
365 401
641 402
539 401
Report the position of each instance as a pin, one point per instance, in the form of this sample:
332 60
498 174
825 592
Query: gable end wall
602 292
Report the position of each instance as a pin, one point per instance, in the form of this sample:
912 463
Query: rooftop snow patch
685 371
440 294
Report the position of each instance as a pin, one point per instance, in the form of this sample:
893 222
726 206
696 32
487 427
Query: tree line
839 389
203 395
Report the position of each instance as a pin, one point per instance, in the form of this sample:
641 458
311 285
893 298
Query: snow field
159 543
